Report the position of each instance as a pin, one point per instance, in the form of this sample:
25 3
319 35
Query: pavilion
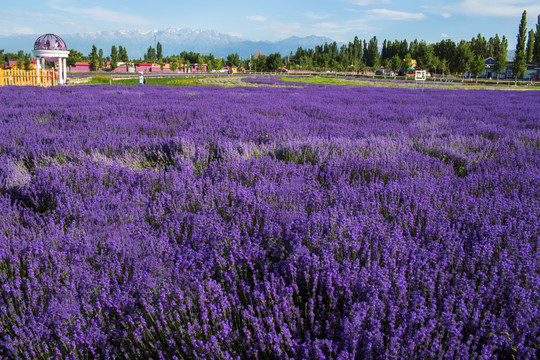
51 47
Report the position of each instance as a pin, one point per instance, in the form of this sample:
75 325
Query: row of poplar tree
443 57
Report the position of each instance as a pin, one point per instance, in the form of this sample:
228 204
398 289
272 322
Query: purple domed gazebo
51 47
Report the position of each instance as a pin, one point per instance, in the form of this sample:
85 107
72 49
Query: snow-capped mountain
173 40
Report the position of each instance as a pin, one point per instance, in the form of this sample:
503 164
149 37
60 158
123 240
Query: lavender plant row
288 222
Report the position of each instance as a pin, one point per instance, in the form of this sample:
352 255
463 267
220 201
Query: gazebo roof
50 42
50 47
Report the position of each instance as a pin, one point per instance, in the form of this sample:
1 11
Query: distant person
142 80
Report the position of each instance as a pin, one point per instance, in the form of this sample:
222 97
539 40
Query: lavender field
315 222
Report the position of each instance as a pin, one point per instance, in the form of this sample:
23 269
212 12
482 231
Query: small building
145 67
192 68
490 68
532 71
195 67
123 68
81 66
14 64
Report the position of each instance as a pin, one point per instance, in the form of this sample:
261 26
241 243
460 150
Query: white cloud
368 2
444 35
341 31
256 18
34 22
23 30
496 8
338 31
99 14
385 14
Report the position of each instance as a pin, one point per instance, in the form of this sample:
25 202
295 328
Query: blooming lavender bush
314 222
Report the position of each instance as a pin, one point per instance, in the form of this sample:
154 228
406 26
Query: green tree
200 63
233 59
491 47
159 51
424 56
445 69
395 64
519 65
150 55
74 57
463 57
477 66
174 64
322 60
122 54
306 62
114 57
259 62
386 65
355 53
500 53
435 64
479 47
372 56
335 65
358 65
94 59
100 58
218 63
406 63
530 47
446 50
536 50
273 62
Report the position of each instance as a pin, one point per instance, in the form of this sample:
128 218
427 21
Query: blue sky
341 20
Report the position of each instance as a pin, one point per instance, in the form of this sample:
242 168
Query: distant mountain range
173 40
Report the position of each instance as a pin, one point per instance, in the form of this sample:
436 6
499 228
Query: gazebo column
43 63
38 68
65 70
60 72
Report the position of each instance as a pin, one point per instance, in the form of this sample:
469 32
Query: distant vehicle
378 72
390 73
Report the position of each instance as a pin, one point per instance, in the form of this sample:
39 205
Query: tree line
444 57
155 55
